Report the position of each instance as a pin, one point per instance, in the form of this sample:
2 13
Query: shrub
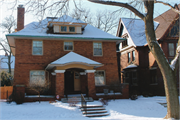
6 79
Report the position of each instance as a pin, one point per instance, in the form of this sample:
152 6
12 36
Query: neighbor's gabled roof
71 58
37 30
136 30
165 20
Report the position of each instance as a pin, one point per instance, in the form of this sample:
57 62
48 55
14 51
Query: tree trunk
167 72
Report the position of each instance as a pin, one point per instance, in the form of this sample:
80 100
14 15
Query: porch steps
65 100
94 111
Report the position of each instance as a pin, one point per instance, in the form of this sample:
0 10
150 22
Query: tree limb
120 4
175 8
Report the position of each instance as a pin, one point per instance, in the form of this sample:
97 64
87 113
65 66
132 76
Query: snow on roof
136 30
4 59
72 57
131 66
38 29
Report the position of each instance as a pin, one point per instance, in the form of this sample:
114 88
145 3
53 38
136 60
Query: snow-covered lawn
144 108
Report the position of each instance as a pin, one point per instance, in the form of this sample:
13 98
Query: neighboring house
137 64
74 56
4 65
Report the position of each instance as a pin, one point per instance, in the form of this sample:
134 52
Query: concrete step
92 109
97 115
94 112
65 100
92 106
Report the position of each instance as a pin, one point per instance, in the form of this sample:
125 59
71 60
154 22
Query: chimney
20 17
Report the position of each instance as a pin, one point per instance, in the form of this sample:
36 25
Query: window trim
64 46
37 70
101 48
104 78
42 47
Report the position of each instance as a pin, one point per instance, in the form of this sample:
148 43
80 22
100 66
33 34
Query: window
37 47
133 55
68 45
126 77
71 29
121 30
171 49
99 78
97 49
153 76
63 28
37 77
124 44
129 57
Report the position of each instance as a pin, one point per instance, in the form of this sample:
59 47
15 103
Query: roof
165 20
136 30
37 30
3 64
131 66
71 58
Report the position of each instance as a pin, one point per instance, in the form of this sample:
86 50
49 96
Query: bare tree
38 85
105 20
167 71
9 25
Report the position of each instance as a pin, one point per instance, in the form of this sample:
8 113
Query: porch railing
83 103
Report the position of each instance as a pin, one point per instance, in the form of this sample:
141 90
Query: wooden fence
6 91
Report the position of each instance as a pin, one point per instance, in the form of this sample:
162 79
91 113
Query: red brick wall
53 50
91 84
20 18
60 85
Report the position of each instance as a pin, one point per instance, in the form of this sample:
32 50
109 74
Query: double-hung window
99 77
63 28
37 77
37 48
68 46
97 49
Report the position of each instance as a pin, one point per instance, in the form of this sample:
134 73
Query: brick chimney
20 17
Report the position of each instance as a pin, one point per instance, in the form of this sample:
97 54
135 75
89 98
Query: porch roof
73 58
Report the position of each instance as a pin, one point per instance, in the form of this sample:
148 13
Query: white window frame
98 47
33 47
69 42
96 78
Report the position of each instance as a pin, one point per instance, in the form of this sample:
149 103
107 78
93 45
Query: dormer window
71 29
63 28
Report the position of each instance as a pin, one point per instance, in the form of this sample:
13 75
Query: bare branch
175 8
120 4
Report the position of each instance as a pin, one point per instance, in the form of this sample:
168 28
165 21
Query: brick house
137 65
74 56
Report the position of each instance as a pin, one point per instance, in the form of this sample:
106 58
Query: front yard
144 108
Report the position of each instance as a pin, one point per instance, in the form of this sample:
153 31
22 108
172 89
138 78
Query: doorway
73 81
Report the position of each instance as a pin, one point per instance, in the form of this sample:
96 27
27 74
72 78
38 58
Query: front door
77 82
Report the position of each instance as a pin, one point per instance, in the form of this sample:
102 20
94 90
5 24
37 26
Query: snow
144 108
136 31
4 65
131 66
38 29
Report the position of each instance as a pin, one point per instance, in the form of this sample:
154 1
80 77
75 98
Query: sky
5 10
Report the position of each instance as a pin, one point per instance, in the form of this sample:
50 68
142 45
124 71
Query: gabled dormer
57 26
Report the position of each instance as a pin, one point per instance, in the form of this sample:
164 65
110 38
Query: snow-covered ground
144 108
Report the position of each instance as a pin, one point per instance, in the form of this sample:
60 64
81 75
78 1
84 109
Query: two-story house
137 64
71 54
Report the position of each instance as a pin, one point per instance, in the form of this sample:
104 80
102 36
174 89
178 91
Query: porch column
91 83
60 83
